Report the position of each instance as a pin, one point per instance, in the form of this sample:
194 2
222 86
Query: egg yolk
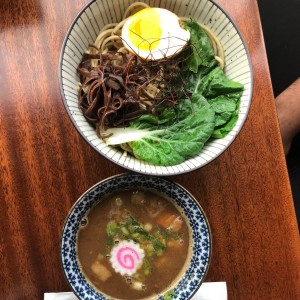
145 31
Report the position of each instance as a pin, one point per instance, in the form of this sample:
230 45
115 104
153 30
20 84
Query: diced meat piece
137 285
100 271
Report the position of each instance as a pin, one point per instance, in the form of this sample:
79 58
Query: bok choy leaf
172 144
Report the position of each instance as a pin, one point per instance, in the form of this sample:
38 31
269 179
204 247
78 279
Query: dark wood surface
45 166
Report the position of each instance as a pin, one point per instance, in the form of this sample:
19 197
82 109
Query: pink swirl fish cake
127 257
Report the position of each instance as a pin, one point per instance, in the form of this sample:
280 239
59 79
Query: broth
147 224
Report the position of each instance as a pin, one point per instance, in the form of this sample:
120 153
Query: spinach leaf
223 131
202 51
216 83
222 94
224 107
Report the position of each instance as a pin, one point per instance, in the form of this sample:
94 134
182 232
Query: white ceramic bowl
98 13
200 257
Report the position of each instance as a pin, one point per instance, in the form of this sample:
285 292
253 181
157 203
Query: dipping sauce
134 244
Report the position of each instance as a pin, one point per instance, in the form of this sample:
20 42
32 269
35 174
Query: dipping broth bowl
198 236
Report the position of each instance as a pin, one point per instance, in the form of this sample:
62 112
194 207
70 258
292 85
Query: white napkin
207 291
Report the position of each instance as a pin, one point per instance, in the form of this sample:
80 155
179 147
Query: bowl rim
63 46
167 181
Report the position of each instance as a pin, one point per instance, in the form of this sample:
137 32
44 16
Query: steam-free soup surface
133 244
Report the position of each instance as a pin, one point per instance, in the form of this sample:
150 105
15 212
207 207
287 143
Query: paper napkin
207 291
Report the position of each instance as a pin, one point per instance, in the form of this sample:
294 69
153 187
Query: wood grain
45 166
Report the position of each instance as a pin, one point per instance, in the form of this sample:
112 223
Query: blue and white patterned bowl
200 232
98 13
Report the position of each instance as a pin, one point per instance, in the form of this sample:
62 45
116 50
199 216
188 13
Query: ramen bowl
76 257
83 32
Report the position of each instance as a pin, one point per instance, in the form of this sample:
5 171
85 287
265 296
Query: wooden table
45 166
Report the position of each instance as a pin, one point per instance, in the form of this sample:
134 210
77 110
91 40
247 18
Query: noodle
105 43
132 6
102 35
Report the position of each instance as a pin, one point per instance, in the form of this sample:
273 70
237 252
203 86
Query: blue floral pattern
201 252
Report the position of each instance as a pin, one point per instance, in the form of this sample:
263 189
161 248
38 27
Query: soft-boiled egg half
154 33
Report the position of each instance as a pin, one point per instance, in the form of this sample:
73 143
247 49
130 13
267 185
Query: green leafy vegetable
111 228
168 295
175 143
223 96
216 84
222 132
181 140
203 53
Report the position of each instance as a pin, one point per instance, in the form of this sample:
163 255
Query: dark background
281 27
